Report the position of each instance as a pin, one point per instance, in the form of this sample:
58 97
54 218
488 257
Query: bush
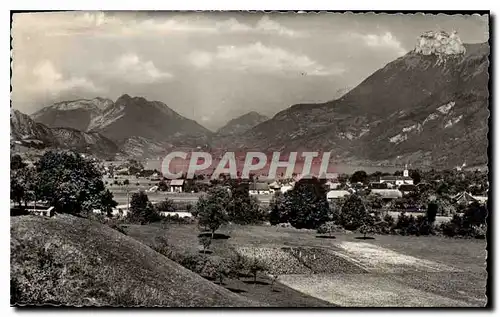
328 228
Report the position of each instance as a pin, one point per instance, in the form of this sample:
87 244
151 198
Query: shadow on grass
236 290
217 236
365 238
256 282
326 237
205 252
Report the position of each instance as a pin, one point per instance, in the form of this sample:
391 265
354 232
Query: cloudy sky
211 67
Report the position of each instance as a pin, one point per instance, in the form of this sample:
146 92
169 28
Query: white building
177 186
336 194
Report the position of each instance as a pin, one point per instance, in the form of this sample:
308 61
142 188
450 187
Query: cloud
381 41
104 25
48 80
260 58
265 24
130 68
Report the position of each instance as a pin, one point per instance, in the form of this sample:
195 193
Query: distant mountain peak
242 123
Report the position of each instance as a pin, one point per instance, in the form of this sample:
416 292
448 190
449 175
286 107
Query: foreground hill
27 132
67 260
429 107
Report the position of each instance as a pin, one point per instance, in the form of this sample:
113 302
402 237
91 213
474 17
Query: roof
387 193
177 182
332 194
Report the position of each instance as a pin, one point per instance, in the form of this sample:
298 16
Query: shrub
328 228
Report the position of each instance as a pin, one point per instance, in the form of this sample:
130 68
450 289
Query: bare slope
73 261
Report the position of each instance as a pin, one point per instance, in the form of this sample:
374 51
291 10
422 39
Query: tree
415 175
162 185
211 210
474 215
354 213
141 209
244 209
166 205
205 242
359 177
255 267
126 182
71 183
306 206
432 209
276 209
16 162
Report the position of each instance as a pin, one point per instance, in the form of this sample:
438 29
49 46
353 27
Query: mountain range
425 108
429 110
25 132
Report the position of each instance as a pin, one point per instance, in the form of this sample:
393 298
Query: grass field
386 271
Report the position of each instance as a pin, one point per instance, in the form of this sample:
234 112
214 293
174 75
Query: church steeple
405 172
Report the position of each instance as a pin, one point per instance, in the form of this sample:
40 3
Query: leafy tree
359 177
211 210
141 209
354 213
205 242
415 175
126 182
134 167
16 162
306 206
244 209
162 185
276 209
432 209
23 185
475 215
166 205
71 184
255 267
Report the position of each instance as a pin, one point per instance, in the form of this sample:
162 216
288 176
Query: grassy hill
67 260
